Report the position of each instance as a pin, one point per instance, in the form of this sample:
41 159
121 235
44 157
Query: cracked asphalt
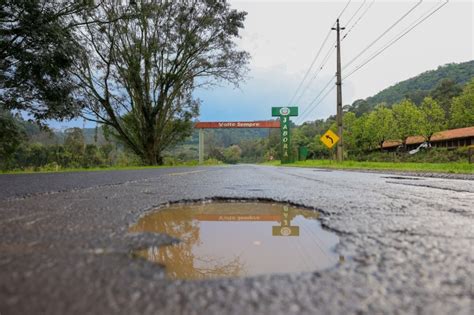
65 249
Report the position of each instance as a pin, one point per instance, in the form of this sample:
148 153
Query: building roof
439 136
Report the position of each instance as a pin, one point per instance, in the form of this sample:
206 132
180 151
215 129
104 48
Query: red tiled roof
439 136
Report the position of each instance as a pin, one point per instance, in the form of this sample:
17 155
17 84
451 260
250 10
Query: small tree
462 108
232 154
380 126
433 118
408 120
349 120
75 145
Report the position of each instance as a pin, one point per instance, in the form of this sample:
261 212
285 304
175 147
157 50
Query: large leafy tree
139 73
433 118
37 48
408 119
462 108
380 125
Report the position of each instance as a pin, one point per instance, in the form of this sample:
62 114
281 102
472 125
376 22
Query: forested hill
417 87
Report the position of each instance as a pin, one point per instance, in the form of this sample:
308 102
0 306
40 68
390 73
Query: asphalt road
64 246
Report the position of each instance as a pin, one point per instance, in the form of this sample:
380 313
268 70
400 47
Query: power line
310 67
399 36
358 20
316 57
319 102
355 13
342 12
321 66
332 49
383 34
315 99
308 107
326 58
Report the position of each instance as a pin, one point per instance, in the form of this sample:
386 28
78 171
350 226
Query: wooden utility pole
339 154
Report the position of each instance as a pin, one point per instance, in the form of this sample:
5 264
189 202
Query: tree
139 73
11 136
360 107
232 154
408 119
364 141
349 133
75 144
462 108
417 96
433 118
444 92
37 48
380 126
92 156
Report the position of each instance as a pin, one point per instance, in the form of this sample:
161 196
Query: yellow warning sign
329 139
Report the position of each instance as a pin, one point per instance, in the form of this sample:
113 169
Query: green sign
284 113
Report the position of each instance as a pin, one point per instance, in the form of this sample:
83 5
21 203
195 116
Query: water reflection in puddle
232 239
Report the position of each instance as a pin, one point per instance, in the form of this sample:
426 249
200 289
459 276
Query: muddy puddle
238 239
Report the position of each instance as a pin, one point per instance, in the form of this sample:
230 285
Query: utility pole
339 153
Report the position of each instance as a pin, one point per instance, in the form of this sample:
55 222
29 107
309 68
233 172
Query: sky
283 38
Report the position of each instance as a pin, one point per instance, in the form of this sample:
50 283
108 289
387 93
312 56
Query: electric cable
317 55
398 37
358 20
383 34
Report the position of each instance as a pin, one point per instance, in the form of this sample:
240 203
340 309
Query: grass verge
451 167
109 168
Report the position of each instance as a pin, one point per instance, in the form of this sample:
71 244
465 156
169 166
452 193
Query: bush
432 155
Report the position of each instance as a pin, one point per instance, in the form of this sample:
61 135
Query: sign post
201 146
284 113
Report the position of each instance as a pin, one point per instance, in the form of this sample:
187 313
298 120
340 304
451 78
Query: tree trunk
404 145
429 141
152 156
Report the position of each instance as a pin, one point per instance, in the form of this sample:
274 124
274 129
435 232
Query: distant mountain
419 86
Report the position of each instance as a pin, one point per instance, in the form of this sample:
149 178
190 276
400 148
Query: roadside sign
329 139
284 113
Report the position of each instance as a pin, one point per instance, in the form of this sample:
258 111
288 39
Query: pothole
238 239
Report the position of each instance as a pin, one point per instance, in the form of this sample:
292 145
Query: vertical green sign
286 229
284 113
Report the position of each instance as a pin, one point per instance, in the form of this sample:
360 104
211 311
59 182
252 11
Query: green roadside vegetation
54 168
448 167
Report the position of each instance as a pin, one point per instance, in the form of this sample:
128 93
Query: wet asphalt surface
408 243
